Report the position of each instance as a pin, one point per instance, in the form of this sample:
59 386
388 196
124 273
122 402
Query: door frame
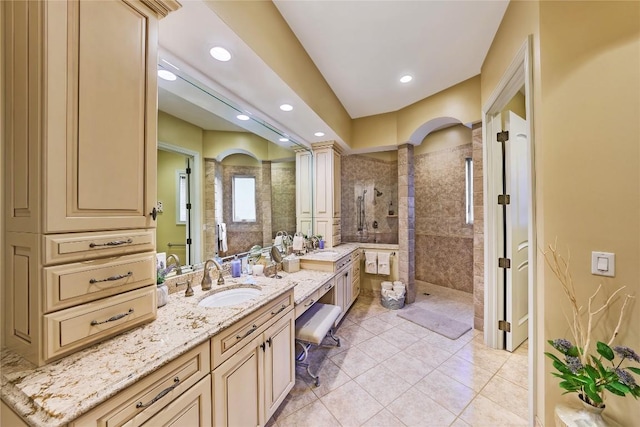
518 74
196 225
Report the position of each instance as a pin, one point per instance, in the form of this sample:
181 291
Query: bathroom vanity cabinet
238 377
80 184
253 382
179 391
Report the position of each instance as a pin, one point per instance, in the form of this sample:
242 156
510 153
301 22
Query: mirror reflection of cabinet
326 166
194 116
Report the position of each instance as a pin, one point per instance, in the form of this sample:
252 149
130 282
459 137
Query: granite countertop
57 393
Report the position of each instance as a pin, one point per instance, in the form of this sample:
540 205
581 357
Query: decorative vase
585 415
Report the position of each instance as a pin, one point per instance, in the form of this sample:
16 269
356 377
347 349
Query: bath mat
435 322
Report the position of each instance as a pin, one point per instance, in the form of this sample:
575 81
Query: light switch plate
603 264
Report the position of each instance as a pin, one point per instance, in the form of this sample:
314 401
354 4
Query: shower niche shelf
392 216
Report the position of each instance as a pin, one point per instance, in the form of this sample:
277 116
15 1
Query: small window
469 190
181 214
244 198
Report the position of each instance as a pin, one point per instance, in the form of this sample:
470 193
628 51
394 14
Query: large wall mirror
224 184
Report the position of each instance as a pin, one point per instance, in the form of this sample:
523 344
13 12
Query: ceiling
361 48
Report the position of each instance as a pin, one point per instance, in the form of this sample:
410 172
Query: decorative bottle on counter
236 267
391 211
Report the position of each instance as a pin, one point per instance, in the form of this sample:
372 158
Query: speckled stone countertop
57 393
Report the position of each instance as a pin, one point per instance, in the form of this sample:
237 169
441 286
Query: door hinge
188 205
503 325
188 171
504 263
503 136
504 199
189 241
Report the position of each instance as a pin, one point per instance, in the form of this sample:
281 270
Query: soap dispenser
236 267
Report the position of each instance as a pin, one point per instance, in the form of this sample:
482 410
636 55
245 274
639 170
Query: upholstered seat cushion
315 323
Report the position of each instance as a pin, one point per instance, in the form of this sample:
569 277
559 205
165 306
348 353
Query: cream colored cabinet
178 394
345 285
192 408
80 95
327 192
250 385
304 191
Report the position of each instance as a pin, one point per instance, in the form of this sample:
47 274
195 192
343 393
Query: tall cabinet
304 191
327 194
80 185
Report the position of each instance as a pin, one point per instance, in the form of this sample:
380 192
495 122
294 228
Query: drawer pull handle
112 243
176 382
112 319
326 288
273 313
249 332
309 303
112 278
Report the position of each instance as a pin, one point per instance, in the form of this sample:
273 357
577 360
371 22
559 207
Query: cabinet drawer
72 284
61 248
137 403
308 302
325 288
73 328
244 330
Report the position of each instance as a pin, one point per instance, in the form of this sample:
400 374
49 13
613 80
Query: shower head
378 192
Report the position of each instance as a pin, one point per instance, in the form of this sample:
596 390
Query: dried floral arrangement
584 371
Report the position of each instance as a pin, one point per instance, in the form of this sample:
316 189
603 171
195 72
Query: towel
298 243
383 263
370 262
222 237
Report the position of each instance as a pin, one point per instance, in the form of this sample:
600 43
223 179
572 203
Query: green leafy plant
582 371
600 373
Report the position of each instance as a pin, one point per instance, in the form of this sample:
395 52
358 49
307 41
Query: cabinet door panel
101 155
237 388
279 363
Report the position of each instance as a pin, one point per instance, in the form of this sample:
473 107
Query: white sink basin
328 254
229 297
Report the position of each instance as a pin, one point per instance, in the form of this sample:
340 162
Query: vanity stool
311 328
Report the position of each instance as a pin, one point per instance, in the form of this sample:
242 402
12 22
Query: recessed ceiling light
319 134
406 79
286 107
242 117
220 53
284 139
166 75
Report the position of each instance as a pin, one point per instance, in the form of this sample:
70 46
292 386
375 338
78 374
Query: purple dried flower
562 345
625 378
626 353
574 364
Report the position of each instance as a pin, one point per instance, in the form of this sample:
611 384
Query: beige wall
587 153
444 139
216 143
460 102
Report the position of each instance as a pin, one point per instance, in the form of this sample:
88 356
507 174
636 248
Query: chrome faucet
206 278
315 242
177 263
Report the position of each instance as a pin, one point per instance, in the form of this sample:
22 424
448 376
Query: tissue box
291 265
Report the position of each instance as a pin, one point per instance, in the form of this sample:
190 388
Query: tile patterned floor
390 372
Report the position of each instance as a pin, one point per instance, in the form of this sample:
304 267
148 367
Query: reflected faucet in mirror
206 278
175 265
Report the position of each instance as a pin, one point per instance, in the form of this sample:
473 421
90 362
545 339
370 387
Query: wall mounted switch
603 264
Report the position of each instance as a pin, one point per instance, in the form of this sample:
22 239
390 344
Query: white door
517 176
